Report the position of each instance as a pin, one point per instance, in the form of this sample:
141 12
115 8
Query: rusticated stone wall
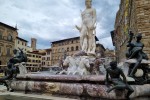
132 15
143 22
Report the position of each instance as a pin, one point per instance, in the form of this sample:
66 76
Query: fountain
78 80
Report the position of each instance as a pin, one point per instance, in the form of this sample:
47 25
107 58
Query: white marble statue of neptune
87 29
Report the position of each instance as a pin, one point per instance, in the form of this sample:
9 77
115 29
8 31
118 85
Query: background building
33 43
8 35
21 43
100 50
68 47
34 61
46 59
29 49
62 48
110 55
132 15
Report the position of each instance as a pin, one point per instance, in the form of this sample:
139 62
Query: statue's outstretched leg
117 87
130 90
139 60
4 83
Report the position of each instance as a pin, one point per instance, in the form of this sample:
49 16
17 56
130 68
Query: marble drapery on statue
88 29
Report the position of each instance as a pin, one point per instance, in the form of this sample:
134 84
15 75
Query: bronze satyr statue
135 51
114 72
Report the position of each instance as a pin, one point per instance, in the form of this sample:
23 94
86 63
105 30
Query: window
72 48
0 51
22 43
76 41
49 52
9 38
18 41
1 35
48 58
72 41
8 51
59 44
77 48
68 49
62 50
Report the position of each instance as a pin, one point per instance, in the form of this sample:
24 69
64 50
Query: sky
52 20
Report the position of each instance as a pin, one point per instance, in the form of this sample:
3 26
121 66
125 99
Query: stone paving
3 92
3 88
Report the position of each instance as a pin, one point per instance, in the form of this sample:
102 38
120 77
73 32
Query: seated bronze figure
135 51
114 72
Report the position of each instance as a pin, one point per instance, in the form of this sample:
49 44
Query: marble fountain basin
73 86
